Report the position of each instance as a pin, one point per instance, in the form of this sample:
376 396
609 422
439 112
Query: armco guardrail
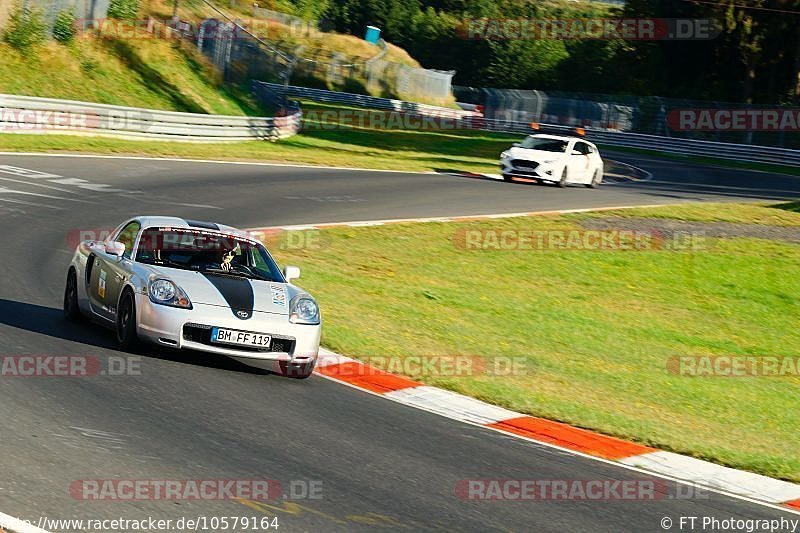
672 145
470 120
26 114
361 100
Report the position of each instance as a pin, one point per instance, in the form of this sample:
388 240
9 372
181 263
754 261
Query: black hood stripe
238 292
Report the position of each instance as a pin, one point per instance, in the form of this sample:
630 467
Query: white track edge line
453 218
212 162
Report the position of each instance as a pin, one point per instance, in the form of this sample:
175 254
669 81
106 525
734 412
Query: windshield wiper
233 272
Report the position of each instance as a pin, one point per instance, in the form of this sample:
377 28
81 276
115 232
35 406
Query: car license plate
240 338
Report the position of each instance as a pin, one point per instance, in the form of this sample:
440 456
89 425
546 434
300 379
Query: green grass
391 150
150 73
596 329
703 160
769 213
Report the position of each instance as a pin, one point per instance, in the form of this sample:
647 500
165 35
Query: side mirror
115 248
290 273
516 145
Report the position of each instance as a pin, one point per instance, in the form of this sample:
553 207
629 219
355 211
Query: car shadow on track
476 176
50 321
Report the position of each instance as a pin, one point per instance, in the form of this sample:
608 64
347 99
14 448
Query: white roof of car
558 137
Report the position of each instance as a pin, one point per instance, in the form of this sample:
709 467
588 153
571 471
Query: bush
64 27
123 9
26 28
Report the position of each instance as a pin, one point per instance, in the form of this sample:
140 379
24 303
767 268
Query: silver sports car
197 285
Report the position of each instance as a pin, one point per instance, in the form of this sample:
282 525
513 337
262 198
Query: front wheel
563 181
126 322
507 177
597 179
71 310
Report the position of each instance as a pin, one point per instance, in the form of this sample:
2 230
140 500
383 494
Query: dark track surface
189 416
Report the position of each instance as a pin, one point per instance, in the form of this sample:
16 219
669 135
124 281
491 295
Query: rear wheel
597 179
563 182
126 321
71 310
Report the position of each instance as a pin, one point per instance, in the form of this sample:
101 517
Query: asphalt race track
190 416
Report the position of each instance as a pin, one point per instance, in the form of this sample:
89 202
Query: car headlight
304 310
504 155
164 292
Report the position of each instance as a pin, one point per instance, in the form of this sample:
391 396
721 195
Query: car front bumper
526 169
295 344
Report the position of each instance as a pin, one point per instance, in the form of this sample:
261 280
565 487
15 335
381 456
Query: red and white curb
729 481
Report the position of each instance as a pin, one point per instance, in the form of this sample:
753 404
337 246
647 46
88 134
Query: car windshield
204 251
544 144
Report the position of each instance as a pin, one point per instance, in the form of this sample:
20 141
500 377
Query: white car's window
544 144
583 148
204 251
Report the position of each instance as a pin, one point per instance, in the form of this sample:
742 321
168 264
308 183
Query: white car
203 286
553 159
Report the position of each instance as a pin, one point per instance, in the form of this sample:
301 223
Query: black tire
71 310
126 321
597 179
563 181
508 177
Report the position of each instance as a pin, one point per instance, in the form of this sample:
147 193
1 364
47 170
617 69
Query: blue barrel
373 34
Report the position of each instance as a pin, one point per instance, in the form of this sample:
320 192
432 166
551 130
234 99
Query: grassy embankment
596 329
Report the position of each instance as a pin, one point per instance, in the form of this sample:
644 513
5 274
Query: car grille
201 333
521 163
